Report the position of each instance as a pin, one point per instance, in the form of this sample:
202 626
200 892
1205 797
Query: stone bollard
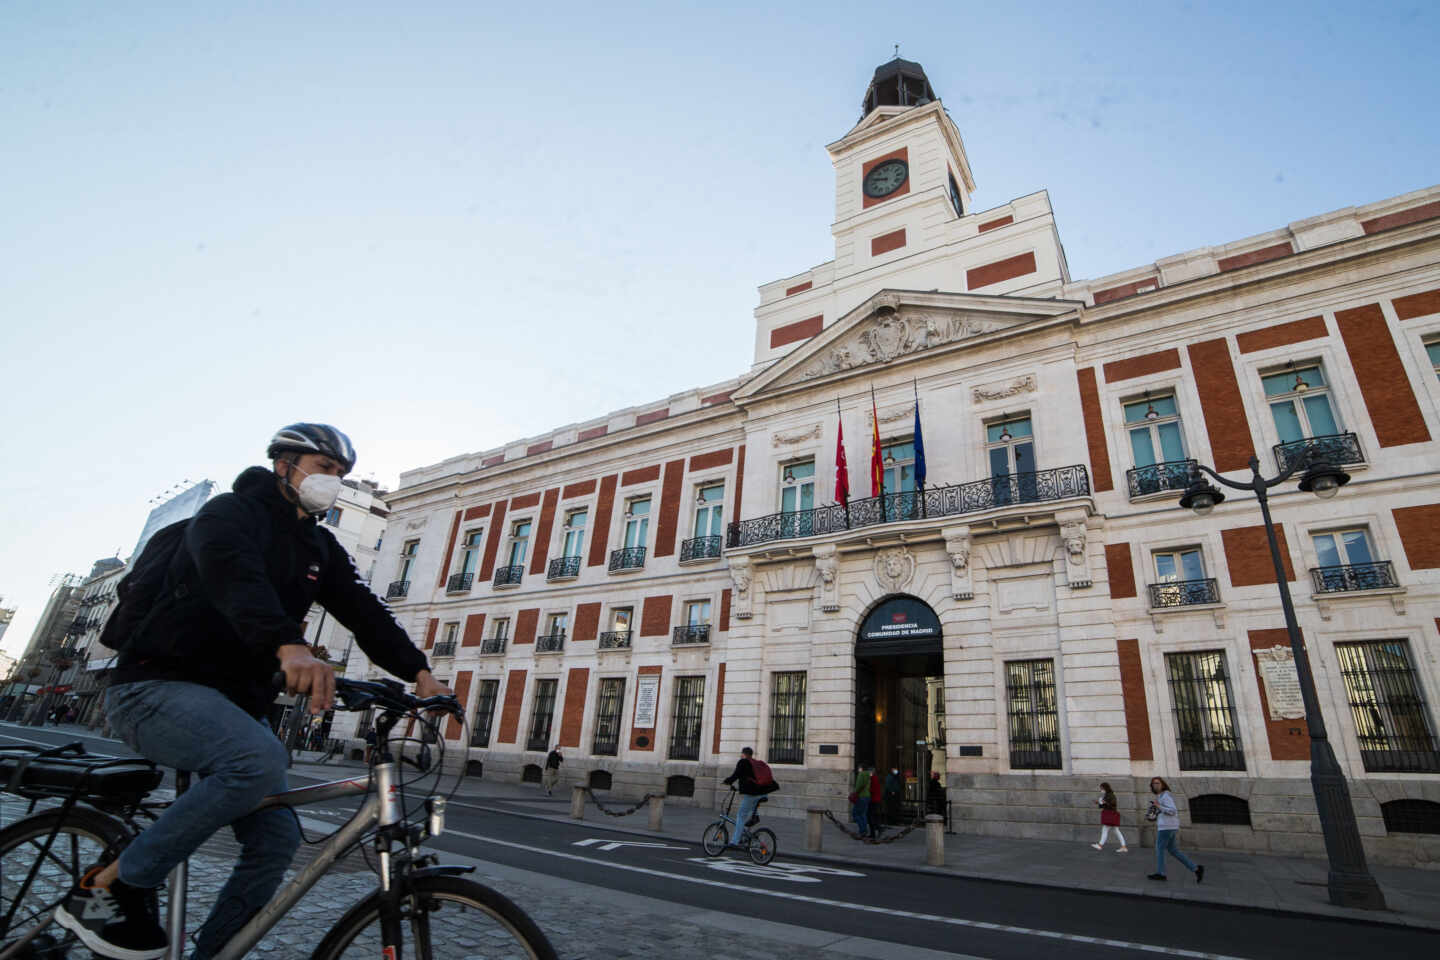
814 821
657 813
935 840
577 802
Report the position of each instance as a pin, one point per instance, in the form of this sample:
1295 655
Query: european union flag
919 450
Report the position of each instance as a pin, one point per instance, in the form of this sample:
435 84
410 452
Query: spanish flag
877 464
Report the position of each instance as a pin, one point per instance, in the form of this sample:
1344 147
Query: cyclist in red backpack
750 790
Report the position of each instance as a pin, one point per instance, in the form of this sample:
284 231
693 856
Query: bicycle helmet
313 438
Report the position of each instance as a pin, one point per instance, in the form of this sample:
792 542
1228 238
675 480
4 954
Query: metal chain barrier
877 842
622 813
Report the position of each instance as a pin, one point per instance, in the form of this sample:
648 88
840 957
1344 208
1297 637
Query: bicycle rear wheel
715 838
762 845
445 917
84 837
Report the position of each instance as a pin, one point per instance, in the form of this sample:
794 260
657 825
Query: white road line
847 905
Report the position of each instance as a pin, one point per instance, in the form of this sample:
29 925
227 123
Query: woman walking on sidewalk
1167 831
1109 819
860 800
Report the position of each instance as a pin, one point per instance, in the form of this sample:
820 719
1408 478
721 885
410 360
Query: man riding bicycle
750 792
193 688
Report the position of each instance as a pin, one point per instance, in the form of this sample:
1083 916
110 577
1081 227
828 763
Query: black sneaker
118 921
1156 876
1200 873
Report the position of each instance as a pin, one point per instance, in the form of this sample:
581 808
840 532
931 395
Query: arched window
1411 816
678 786
599 780
1220 808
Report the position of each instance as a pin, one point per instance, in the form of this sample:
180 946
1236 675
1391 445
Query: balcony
509 576
700 548
493 645
1159 478
1183 593
459 583
445 648
1336 450
563 568
397 590
627 558
1353 577
690 633
1042 486
550 643
615 640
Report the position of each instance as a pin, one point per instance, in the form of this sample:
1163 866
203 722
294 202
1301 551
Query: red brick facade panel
1247 554
716 398
1417 305
739 480
724 610
1121 570
524 502
1094 430
492 542
454 728
475 513
641 475
525 623
1004 221
1225 422
510 713
1394 412
474 630
1420 534
600 535
716 458
494 461
655 616
1125 290
886 242
540 447
1000 271
590 433
651 416
576 687
1137 710
799 330
582 489
1296 331
1142 365
719 707
430 629
647 734
1254 256
1289 740
587 622
449 550
669 508
1403 218
798 288
904 188
541 553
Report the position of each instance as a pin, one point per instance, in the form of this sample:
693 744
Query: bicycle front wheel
762 845
715 838
442 917
84 837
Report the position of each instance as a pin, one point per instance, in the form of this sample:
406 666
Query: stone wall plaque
1282 683
829 749
647 696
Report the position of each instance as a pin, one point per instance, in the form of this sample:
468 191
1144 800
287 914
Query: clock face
886 178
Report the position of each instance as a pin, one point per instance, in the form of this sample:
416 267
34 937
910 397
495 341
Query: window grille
1220 808
600 780
1391 720
1207 734
787 717
484 713
679 786
1034 718
544 712
607 717
1411 816
688 715
531 773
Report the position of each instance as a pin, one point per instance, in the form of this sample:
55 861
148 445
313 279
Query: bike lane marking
608 845
849 905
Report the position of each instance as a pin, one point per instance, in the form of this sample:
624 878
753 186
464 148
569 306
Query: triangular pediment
899 325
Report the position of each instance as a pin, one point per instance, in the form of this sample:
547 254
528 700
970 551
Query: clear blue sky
447 226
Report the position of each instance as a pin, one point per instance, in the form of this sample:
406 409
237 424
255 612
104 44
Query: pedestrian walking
552 770
860 800
1167 831
894 791
877 795
1109 819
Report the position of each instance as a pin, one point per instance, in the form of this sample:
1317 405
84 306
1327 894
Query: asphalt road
973 917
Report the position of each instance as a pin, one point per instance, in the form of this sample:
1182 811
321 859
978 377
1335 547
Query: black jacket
241 585
746 775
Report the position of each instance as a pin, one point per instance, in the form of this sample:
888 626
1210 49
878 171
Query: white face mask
317 492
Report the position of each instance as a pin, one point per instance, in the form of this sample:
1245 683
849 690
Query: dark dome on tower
899 83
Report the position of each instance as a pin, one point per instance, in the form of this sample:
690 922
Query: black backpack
141 587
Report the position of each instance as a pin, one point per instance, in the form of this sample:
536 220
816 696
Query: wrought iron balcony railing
550 643
459 582
508 576
1182 593
1336 449
700 548
1159 477
493 645
445 648
627 558
1354 576
563 568
615 640
690 633
397 589
1059 483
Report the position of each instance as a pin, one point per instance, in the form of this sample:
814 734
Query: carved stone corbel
1077 560
740 575
957 545
829 566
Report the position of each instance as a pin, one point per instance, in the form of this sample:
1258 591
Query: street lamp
1351 884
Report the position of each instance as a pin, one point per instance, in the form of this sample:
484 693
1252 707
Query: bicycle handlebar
357 695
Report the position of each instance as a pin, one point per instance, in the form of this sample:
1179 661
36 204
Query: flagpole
877 465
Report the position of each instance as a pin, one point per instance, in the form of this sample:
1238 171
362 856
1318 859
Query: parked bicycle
103 800
760 842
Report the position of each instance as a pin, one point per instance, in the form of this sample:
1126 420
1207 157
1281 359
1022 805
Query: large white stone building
658 587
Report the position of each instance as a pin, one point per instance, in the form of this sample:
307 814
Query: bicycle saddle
60 771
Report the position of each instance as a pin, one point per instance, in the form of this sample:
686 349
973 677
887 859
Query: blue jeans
861 812
1169 840
240 762
748 806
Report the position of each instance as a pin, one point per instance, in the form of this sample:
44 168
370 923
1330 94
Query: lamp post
1350 882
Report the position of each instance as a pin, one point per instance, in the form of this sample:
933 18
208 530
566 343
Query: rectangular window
1176 565
899 466
1341 547
787 717
1010 449
1207 735
1180 579
574 533
519 543
542 714
608 709
1034 717
697 612
1347 562
710 510
1153 424
687 718
559 623
1299 399
955 197
1432 350
470 553
407 558
797 487
620 618
1392 722
446 646
637 522
502 628
332 516
484 713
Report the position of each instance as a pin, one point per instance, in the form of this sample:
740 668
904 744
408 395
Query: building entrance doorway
900 697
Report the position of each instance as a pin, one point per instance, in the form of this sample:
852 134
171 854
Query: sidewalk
1253 881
